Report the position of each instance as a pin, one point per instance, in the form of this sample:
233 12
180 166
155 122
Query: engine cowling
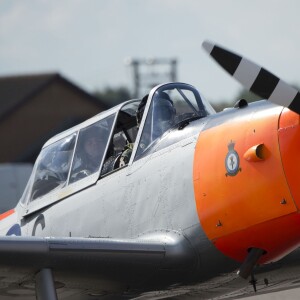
246 191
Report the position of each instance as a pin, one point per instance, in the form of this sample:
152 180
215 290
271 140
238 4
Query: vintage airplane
162 193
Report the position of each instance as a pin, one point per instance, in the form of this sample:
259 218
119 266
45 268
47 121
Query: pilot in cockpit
89 153
160 118
163 115
126 154
92 148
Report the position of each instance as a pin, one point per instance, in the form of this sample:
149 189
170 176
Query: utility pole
148 73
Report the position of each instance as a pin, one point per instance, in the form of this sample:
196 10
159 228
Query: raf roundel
232 161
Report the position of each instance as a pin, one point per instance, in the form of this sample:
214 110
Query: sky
87 41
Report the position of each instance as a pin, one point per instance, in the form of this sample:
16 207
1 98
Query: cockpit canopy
109 141
170 105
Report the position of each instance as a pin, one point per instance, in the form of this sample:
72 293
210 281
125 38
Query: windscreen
53 167
171 105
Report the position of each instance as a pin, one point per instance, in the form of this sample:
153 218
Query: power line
147 73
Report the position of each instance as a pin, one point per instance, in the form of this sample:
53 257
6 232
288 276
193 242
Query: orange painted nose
289 143
246 188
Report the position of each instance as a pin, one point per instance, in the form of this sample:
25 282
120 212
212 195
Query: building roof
14 90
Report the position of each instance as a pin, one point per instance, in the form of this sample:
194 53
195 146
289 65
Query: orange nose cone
289 143
246 188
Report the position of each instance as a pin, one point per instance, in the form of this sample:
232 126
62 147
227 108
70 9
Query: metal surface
159 227
45 289
248 265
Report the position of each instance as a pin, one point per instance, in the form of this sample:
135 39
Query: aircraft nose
289 143
251 199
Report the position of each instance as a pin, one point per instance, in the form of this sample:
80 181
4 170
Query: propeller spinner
255 78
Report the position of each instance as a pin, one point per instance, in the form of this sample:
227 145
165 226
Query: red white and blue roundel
14 230
9 220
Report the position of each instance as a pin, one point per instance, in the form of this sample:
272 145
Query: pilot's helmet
92 132
164 110
163 114
95 137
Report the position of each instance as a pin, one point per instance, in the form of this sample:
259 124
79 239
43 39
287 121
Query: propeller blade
255 78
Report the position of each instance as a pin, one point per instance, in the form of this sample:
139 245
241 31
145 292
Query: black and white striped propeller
255 78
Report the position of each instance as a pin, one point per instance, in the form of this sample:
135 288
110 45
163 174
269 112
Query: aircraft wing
85 268
162 250
94 263
101 266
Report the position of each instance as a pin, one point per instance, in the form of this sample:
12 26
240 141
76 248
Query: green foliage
110 97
